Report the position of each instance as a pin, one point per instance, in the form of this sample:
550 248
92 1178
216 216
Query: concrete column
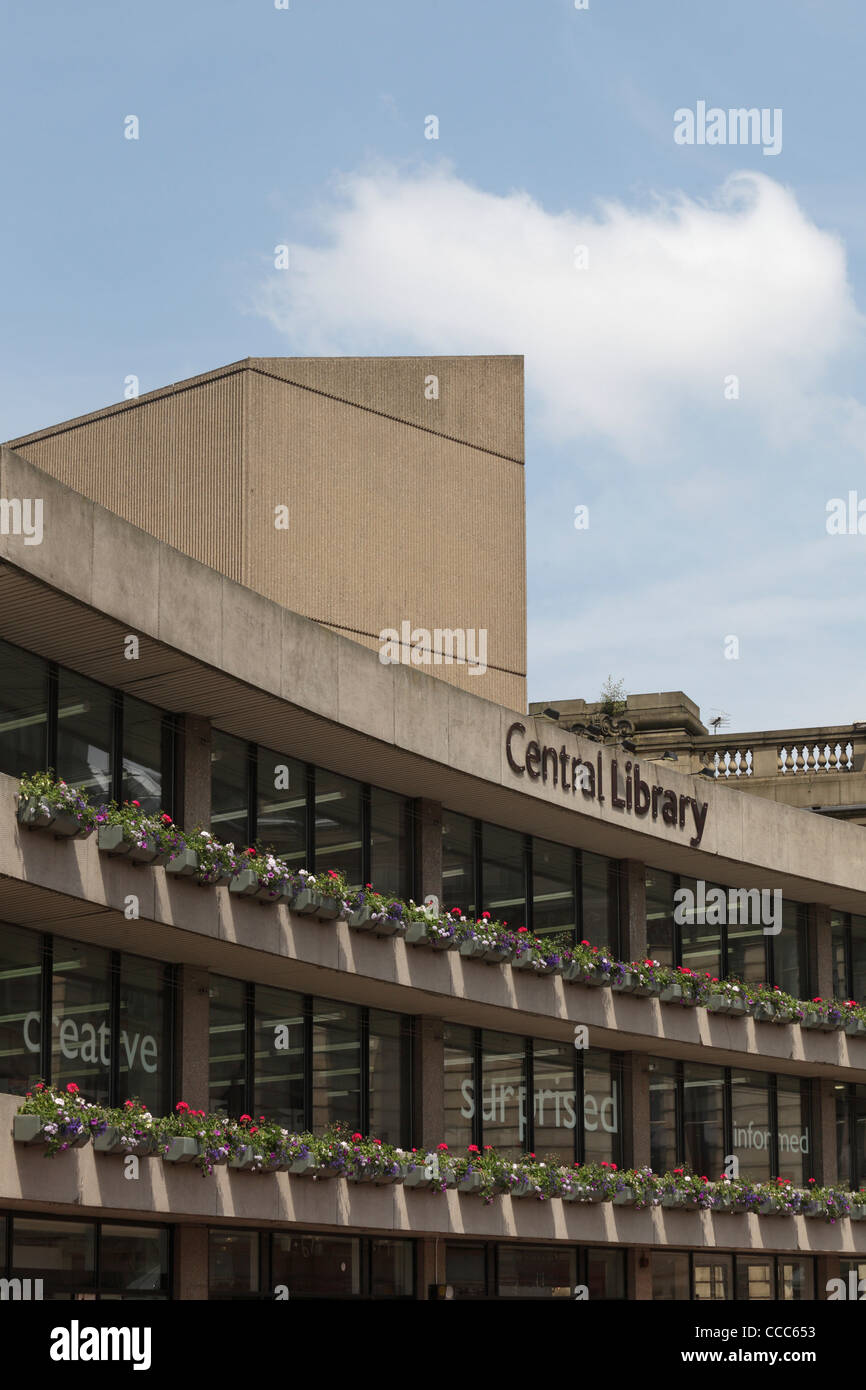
636 1110
190 1263
633 910
428 849
193 1037
195 772
820 950
638 1276
429 1125
430 1267
826 1167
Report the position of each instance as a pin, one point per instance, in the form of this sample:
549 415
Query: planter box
112 840
586 1194
329 908
719 1004
110 1142
371 1175
244 1159
521 1188
40 815
625 985
680 1201
482 950
361 918
181 1149
583 975
812 1021
832 1025
646 991
768 1208
245 884
419 934
470 1182
855 1028
183 865
389 926
671 994
857 1213
764 1012
524 961
813 1209
626 1198
27 1129
722 1205
306 902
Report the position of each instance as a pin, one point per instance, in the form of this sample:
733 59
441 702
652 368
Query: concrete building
423 787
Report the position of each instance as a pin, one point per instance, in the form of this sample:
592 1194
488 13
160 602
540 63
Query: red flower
72 1088
604 1165
704 1178
819 1000
522 929
137 803
613 1166
28 1094
584 943
254 1129
485 914
129 1105
473 1149
455 912
378 1142
488 1148
245 1118
530 1155
356 1137
166 819
333 874
200 1112
442 1147
679 1170
181 1105
40 1085
811 1179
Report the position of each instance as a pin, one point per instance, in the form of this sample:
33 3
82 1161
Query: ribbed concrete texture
401 505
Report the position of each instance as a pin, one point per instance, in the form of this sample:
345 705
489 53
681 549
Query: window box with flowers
481 943
45 803
128 1130
373 912
314 897
60 1120
204 859
262 876
731 1003
428 930
140 837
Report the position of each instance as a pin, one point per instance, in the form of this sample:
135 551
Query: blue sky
305 126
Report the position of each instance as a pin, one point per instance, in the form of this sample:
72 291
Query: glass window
319 1266
503 875
20 1009
466 1270
278 1084
338 825
503 1093
554 1100
458 862
661 939
795 1279
747 958
670 1276
81 1018
601 1108
336 1064
230 789
459 1086
227 1080
142 754
858 960
750 1111
392 1265
281 786
605 1274
795 1140
536 1271
552 888
789 955
756 1278
390 844
134 1258
386 1077
145 1022
664 1156
599 887
843 1136
713 1276
23 711
838 928
233 1262
62 1253
85 714
701 942
703 1113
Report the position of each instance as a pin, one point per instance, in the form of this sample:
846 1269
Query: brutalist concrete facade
222 656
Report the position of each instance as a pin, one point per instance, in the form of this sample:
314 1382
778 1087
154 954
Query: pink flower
181 1105
72 1088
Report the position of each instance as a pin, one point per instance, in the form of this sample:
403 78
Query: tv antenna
720 721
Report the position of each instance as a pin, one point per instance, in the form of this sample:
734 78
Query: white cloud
677 296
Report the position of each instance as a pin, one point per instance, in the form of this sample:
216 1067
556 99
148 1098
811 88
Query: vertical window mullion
308 1062
577 890
680 1107
249 1048
52 718
579 1136
364 1116
477 870
774 1126
47 1007
114 1029
528 884
366 834
115 768
728 1110
252 793
311 817
677 942
408 1026
529 1088
477 1073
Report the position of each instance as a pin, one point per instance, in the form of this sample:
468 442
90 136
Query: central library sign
627 789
